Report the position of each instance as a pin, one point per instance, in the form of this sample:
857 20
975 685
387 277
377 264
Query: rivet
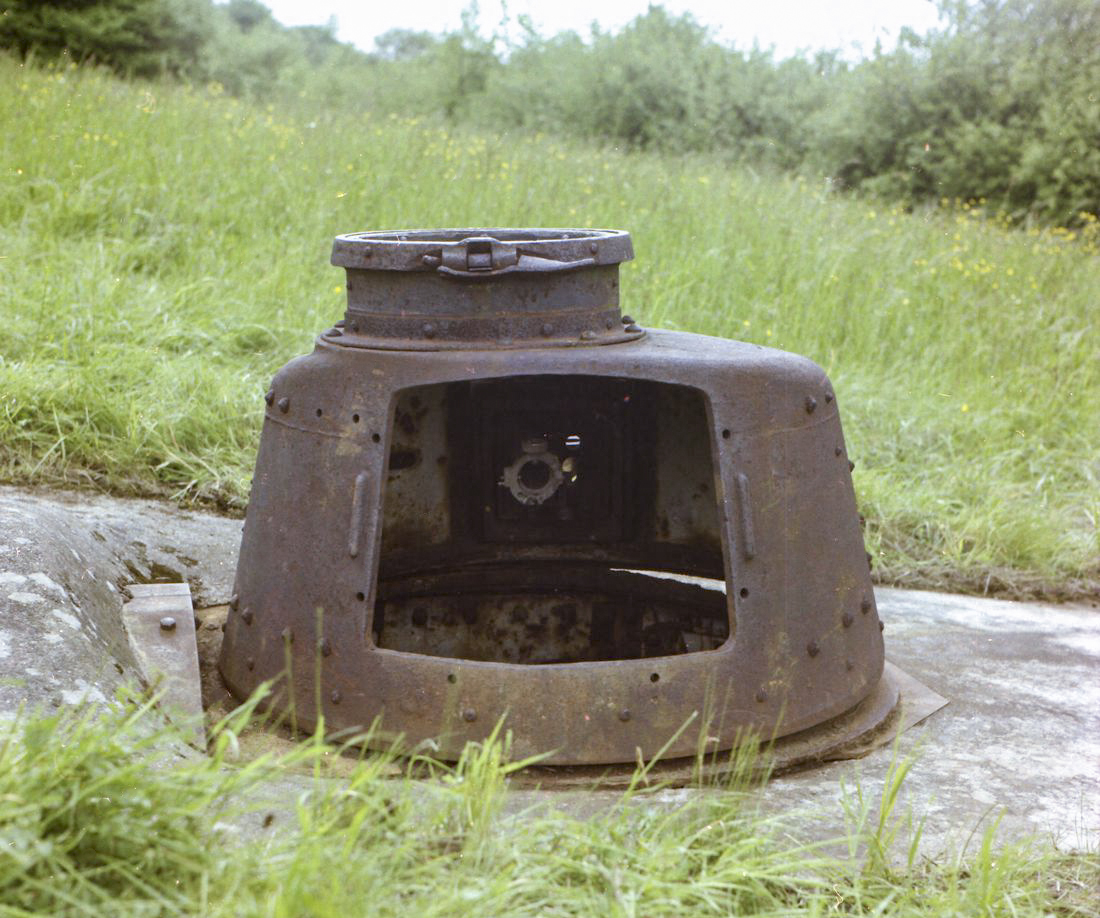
624 715
353 325
811 404
593 248
284 404
870 562
849 665
431 260
626 320
881 626
839 451
846 619
632 327
326 647
469 715
609 324
828 397
246 616
367 251
288 636
234 601
587 335
269 396
250 664
761 695
547 330
168 623
428 329
865 605
813 649
340 323
336 697
851 465
335 333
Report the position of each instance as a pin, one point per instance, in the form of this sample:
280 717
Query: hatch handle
479 257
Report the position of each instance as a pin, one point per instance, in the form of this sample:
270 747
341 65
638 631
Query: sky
787 25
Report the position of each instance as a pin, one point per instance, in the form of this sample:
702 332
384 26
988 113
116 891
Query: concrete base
1020 740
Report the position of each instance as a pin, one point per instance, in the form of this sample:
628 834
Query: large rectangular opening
551 519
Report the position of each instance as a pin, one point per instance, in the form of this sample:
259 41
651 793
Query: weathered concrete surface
64 559
1020 739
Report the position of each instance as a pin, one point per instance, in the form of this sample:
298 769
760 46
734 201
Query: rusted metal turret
487 494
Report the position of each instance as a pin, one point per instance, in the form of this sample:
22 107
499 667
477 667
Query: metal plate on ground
160 624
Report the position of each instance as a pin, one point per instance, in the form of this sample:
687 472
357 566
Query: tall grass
163 250
98 817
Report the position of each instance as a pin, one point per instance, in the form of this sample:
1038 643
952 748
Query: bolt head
811 404
269 396
633 327
246 616
761 696
234 601
469 715
846 619
547 330
336 697
813 648
626 320
168 623
287 636
428 329
284 404
326 647
865 605
250 663
624 715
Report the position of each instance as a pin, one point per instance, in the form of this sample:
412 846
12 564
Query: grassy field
164 250
94 822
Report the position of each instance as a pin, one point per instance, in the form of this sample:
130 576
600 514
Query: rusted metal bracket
160 624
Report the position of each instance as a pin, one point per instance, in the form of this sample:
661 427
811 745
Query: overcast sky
789 25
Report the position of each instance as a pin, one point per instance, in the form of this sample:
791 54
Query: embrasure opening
551 519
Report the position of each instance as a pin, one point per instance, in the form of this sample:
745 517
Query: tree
139 37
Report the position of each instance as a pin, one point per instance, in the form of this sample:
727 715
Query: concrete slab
1019 742
66 561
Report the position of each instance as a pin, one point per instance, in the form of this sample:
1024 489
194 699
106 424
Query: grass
97 816
164 250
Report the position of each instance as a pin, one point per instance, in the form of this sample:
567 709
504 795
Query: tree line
1001 103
